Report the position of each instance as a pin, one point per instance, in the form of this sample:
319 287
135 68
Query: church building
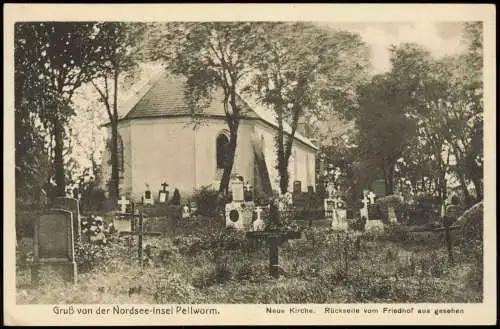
161 141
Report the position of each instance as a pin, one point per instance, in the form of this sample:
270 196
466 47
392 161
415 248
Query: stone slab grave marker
163 194
273 237
54 245
297 187
237 190
147 197
71 205
339 221
123 220
258 224
139 231
374 222
329 205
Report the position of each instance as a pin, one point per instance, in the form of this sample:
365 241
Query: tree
304 68
59 59
115 57
384 130
211 56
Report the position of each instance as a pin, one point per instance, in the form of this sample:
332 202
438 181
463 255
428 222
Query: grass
331 269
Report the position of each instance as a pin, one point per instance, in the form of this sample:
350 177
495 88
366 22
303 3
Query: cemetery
191 194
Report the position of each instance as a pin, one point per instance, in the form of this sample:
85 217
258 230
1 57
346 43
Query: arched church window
222 149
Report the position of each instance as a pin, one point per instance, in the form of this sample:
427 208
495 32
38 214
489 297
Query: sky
440 38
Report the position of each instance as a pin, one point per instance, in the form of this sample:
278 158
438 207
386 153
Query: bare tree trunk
58 158
229 160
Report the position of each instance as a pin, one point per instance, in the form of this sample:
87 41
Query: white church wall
163 151
206 162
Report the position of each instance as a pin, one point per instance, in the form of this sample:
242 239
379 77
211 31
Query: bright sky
441 38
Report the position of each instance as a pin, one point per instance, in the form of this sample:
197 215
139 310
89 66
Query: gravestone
54 245
258 224
185 214
339 221
239 215
123 202
297 187
378 187
148 197
273 235
364 209
310 189
237 190
163 194
329 206
71 205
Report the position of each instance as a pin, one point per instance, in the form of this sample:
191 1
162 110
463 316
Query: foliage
207 201
471 232
304 68
176 198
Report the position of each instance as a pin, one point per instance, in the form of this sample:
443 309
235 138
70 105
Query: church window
222 149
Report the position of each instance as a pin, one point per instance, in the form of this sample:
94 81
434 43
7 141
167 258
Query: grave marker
237 190
297 187
163 194
273 237
71 205
140 234
123 202
54 245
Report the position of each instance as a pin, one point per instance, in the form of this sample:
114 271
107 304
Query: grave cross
140 234
123 202
371 196
273 237
164 185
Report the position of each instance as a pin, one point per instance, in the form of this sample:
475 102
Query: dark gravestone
378 187
310 189
72 205
297 187
54 245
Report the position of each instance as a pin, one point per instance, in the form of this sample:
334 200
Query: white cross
248 186
365 201
371 196
123 203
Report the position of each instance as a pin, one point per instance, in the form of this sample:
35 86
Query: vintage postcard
239 164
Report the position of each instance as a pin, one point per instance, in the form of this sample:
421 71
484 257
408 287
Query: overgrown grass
325 267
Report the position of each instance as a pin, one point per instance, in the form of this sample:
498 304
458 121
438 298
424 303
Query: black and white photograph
176 165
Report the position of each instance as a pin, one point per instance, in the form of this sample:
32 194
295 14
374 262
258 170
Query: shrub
396 233
207 201
176 197
471 231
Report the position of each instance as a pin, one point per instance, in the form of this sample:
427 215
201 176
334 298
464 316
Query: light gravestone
238 212
54 246
148 197
258 224
237 190
122 221
71 205
163 194
329 203
339 221
373 223
364 210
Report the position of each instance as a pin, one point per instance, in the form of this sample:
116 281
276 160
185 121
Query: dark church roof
165 97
